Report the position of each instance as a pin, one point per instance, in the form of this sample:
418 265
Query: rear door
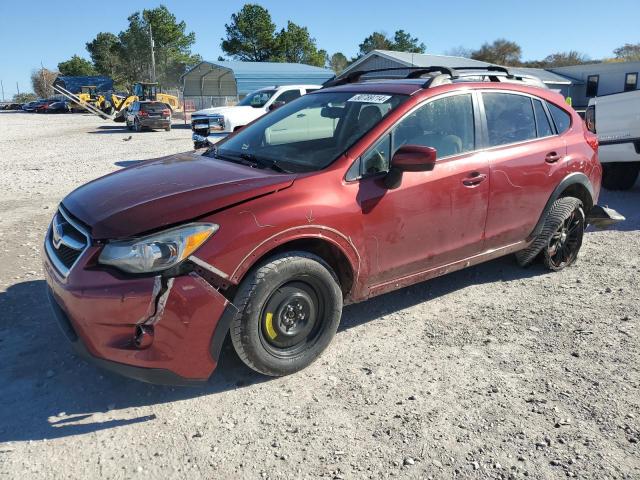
433 218
526 158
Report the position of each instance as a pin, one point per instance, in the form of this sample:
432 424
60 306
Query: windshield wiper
263 162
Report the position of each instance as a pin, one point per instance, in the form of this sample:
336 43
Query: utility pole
18 88
44 82
2 85
153 56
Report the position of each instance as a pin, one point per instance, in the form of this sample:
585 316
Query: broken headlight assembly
158 251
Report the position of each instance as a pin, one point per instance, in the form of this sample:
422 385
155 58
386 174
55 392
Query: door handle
475 178
552 157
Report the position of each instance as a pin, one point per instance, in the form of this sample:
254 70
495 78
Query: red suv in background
360 188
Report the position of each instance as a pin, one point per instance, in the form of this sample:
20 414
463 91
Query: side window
630 81
445 124
561 118
592 85
377 159
309 90
288 96
542 121
510 118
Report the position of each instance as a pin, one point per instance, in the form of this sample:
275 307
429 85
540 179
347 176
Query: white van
615 119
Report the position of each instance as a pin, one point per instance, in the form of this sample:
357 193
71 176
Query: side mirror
276 104
410 158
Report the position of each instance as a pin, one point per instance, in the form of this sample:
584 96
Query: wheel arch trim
573 179
323 233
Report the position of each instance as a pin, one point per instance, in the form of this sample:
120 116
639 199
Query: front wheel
289 311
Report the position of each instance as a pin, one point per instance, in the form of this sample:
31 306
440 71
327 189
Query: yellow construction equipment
140 91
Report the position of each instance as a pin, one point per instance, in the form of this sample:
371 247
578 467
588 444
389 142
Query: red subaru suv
362 187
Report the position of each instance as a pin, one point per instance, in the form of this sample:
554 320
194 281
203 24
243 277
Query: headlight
216 123
159 251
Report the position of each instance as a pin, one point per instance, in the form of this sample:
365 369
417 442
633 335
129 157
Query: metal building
391 59
210 84
598 79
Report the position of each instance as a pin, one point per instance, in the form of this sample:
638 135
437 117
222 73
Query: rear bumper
155 122
101 314
603 217
623 151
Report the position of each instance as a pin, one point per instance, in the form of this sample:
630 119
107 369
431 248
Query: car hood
223 110
163 192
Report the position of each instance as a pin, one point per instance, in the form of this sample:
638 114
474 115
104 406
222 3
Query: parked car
346 193
59 107
616 120
148 114
42 106
31 106
213 124
13 106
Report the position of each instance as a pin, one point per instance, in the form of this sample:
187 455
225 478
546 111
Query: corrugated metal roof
428 60
420 60
75 84
230 78
545 75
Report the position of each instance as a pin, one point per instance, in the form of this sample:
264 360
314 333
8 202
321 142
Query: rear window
561 118
510 118
152 107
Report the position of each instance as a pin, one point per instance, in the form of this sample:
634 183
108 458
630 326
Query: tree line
251 35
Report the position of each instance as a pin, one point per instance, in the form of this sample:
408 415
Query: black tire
167 129
289 309
560 211
620 176
136 125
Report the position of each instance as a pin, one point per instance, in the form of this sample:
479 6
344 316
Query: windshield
257 99
309 133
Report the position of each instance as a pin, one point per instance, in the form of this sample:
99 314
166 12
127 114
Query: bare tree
42 81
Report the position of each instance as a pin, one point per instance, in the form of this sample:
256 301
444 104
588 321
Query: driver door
432 218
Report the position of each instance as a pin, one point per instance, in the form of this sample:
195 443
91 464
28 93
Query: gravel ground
490 372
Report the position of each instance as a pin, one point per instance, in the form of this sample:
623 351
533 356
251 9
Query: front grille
66 241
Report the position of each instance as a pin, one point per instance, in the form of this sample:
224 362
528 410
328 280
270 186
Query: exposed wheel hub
290 315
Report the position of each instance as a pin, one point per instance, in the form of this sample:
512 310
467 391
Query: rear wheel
620 176
564 245
136 125
168 128
560 238
289 310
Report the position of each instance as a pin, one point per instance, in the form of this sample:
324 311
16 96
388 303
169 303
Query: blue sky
36 30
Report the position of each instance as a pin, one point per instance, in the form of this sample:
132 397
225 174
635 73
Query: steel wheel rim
292 318
565 242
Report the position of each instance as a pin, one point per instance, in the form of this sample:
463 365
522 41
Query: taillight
590 118
166 112
143 113
592 140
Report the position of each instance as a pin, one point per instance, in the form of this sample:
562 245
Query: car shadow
49 392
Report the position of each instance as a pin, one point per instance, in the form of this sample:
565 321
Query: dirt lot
491 372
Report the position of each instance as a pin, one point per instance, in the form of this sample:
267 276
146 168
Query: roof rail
488 68
415 72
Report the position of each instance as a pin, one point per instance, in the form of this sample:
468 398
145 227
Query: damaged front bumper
200 141
166 331
603 217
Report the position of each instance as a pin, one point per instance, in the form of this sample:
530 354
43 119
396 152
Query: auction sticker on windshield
369 98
